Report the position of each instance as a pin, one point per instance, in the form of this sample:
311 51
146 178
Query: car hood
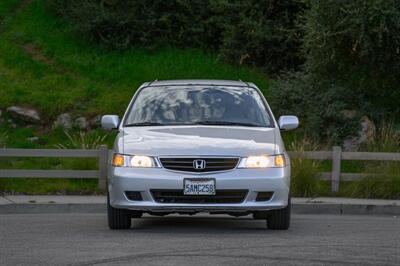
198 140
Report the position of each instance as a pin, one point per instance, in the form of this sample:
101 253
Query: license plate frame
196 188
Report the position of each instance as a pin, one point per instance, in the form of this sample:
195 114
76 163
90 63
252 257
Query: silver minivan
190 146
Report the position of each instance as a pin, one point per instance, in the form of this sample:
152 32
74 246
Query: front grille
177 196
210 164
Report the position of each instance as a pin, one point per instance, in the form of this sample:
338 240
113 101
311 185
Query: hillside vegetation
336 55
44 65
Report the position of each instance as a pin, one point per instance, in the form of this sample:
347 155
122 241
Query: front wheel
279 219
118 218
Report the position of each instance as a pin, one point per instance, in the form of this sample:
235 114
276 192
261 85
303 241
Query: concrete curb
96 204
345 209
22 208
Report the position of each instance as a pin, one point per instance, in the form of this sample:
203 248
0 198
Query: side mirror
288 122
109 122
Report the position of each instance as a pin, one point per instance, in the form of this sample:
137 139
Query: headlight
263 161
120 160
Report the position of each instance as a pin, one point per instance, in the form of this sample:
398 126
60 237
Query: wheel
118 218
279 219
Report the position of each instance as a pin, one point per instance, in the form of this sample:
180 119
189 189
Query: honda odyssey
190 146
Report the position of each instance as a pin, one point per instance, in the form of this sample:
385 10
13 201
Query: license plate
199 186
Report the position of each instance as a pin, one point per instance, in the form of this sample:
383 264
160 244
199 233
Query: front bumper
143 180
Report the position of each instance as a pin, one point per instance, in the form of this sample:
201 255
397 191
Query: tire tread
279 219
118 218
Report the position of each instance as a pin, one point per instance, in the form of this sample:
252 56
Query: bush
319 105
347 37
304 180
387 139
261 33
352 52
382 181
83 140
120 24
356 44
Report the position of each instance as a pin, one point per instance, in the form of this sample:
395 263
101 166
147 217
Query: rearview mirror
288 122
109 122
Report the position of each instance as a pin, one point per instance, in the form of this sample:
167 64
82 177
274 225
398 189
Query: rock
81 123
33 139
365 135
349 114
11 123
367 132
24 114
350 144
95 122
63 121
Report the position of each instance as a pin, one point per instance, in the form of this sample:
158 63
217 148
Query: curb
27 208
297 208
345 209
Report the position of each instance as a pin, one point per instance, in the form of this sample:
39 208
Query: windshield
191 105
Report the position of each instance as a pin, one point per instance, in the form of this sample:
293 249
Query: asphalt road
84 239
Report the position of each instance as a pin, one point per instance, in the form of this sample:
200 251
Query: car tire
118 218
279 219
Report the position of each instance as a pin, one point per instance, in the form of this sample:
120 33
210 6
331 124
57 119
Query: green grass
49 186
84 78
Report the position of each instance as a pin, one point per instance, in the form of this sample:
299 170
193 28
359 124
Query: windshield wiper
226 123
206 122
144 124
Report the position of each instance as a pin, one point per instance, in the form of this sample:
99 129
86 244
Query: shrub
381 181
356 45
261 33
304 181
83 140
387 139
319 105
352 61
120 24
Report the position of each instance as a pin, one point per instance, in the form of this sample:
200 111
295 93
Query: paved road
83 239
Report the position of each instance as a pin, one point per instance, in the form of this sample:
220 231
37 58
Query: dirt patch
36 54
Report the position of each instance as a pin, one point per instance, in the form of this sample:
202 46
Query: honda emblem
199 164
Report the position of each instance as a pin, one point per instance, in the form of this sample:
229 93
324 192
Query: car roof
179 82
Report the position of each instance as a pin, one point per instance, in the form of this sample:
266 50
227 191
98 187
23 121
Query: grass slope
44 65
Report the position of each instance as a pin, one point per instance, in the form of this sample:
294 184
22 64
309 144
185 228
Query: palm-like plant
83 140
